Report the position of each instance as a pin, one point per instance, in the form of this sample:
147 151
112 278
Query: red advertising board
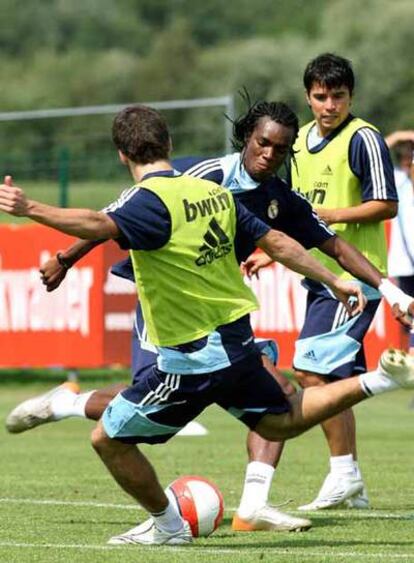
87 321
120 299
41 329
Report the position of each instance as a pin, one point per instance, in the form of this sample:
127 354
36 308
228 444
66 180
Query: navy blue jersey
272 201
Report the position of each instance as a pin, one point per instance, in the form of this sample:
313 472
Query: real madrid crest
273 209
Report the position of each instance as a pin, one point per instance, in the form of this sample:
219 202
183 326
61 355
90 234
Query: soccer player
265 136
184 260
342 165
401 251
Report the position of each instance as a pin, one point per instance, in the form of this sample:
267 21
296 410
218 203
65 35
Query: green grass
93 195
55 493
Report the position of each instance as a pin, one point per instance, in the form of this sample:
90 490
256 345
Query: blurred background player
344 168
264 135
401 250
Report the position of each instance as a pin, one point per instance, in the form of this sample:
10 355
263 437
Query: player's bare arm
399 137
82 223
354 262
54 270
293 255
367 212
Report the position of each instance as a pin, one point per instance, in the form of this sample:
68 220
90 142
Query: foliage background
56 53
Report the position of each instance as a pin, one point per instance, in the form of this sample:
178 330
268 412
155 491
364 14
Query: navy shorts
330 342
144 354
159 404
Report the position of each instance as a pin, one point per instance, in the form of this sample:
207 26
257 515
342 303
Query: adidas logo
216 244
310 356
327 171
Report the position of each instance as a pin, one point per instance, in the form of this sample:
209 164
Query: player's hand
254 263
327 215
406 319
52 274
351 295
13 199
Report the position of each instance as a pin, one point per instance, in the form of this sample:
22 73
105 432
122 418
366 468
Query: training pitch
58 503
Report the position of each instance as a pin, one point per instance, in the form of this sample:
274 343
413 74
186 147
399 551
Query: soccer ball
199 502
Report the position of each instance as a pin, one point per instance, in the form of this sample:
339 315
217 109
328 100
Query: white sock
357 470
67 404
169 520
256 489
376 382
342 465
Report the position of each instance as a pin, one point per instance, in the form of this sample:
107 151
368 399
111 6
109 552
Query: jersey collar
331 135
165 173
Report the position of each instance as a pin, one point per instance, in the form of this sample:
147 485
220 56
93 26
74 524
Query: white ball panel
207 505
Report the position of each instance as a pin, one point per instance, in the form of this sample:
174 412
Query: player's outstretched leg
315 404
133 472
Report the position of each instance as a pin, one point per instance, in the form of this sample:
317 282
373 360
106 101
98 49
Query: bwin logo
216 244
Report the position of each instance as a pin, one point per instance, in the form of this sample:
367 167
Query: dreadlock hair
278 112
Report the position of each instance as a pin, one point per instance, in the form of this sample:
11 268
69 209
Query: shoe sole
239 525
399 366
171 541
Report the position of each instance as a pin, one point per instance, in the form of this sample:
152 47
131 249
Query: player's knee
99 439
277 428
289 389
300 378
308 379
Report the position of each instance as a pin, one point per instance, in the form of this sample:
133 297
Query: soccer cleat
398 366
334 491
36 411
270 518
359 501
147 533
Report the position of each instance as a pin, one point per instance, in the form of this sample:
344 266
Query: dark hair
278 112
331 71
403 151
141 134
